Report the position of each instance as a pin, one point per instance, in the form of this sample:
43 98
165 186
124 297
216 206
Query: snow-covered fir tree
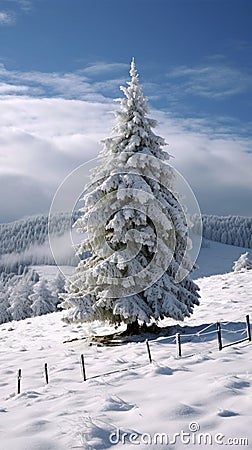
5 315
20 304
135 228
57 287
42 300
243 263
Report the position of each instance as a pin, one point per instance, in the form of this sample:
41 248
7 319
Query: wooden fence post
46 374
148 349
19 380
248 327
83 368
178 344
219 335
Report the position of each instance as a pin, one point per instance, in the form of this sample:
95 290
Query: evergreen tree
242 264
20 305
42 300
5 315
57 287
136 227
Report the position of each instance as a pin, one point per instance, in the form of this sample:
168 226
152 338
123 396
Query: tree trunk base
132 329
135 329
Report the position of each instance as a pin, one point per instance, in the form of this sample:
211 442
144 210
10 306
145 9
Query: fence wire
199 337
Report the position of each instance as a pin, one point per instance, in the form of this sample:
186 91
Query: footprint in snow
185 410
237 384
227 413
100 435
163 370
37 426
30 394
115 403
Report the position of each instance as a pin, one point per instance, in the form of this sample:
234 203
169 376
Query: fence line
248 338
175 338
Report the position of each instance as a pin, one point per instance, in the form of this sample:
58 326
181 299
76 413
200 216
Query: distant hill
15 237
26 241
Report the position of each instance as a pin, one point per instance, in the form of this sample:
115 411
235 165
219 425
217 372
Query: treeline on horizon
26 241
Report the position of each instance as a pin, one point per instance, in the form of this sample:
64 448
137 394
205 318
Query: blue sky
61 65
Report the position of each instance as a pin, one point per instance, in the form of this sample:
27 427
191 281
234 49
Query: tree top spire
133 71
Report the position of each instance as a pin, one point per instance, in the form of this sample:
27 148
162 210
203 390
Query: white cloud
217 165
21 196
6 88
15 8
105 68
7 18
74 85
214 81
41 141
24 5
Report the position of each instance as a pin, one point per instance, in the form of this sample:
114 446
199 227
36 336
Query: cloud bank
51 123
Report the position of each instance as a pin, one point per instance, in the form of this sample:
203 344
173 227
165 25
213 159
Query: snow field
211 389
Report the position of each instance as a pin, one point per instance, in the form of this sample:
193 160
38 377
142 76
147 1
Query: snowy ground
217 258
210 391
